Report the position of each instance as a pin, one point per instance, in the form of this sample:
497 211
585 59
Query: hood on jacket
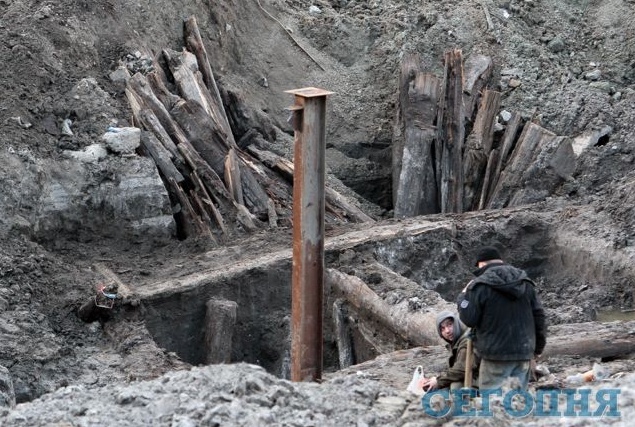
504 278
458 327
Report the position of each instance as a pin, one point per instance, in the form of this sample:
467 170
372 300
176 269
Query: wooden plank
532 138
232 177
220 321
489 170
417 186
410 66
477 149
139 85
507 144
195 44
478 72
161 156
453 133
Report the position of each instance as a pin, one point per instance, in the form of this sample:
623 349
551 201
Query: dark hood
504 278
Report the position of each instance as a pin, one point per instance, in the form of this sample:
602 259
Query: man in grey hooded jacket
502 307
456 334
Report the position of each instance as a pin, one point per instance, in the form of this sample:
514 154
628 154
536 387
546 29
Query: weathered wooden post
309 112
220 320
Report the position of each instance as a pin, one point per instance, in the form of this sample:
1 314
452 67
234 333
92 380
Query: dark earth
569 64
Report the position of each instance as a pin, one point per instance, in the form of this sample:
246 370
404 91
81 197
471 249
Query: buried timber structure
384 285
447 154
220 187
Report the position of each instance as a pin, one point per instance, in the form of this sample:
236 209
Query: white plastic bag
416 384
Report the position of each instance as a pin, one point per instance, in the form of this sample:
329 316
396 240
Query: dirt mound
569 64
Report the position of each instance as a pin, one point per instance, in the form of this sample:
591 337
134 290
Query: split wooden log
190 89
410 66
254 180
507 145
140 86
477 149
192 223
417 186
157 81
451 125
416 327
478 71
194 42
202 211
212 182
232 176
201 133
333 199
528 146
204 137
343 335
208 203
161 157
220 320
492 160
148 120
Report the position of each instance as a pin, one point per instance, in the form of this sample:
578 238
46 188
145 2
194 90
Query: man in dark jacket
456 335
508 320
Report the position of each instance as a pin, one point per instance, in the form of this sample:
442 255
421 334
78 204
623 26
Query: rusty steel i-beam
309 114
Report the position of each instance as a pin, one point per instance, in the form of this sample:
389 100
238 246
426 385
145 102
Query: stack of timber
218 188
447 157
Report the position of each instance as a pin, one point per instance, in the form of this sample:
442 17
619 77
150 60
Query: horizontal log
591 339
416 327
614 340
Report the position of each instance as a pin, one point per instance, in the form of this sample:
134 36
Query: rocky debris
94 153
7 394
237 394
554 47
245 395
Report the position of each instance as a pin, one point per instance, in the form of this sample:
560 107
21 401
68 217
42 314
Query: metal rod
309 114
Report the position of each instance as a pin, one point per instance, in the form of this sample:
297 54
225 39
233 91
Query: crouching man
456 334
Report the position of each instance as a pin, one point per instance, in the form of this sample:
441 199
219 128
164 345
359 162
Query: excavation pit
400 261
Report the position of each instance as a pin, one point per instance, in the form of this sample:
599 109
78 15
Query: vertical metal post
309 114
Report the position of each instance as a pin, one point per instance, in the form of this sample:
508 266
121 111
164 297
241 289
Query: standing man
456 334
501 305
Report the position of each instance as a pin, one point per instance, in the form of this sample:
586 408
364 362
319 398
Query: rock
122 140
120 75
92 154
603 86
505 116
66 127
593 75
514 83
314 10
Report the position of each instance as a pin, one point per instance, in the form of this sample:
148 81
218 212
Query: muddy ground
574 60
